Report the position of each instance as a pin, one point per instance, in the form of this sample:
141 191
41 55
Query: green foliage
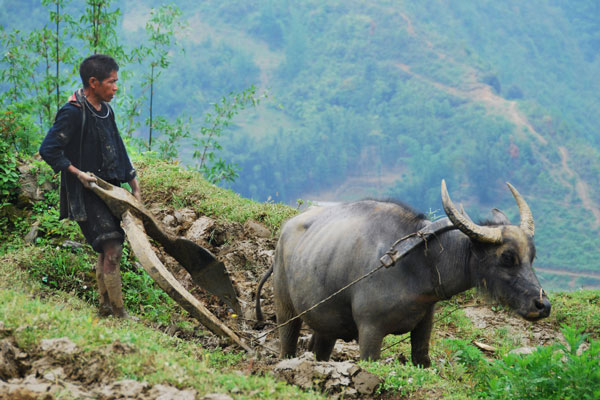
33 314
206 144
72 270
552 372
20 68
171 184
161 29
141 294
9 175
464 352
97 29
396 97
50 46
171 136
405 379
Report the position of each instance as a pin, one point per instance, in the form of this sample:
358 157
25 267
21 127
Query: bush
552 372
9 175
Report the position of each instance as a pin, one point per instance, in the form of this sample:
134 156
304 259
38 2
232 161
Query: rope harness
398 250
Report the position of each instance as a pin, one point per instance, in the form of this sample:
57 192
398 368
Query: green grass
580 309
169 184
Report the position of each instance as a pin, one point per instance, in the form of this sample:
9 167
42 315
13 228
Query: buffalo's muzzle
543 308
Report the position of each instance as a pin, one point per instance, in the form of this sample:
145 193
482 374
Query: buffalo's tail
259 314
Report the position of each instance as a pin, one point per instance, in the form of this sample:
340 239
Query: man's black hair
98 66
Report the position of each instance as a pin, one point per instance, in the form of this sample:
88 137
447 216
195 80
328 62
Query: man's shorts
100 225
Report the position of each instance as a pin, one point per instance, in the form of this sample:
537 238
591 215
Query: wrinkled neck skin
450 255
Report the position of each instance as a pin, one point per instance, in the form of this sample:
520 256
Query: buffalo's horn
527 224
464 223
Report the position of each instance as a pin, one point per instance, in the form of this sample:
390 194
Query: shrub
9 175
552 372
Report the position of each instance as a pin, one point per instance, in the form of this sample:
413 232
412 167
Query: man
84 142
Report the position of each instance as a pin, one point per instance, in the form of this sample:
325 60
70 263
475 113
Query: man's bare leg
112 277
104 308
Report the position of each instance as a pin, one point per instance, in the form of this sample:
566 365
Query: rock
200 229
32 385
253 228
58 346
523 350
216 396
54 374
11 365
366 382
33 233
162 392
127 388
30 192
69 244
169 221
185 216
331 377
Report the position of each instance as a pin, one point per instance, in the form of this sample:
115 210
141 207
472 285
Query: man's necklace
93 111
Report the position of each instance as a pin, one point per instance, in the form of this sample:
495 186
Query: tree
17 123
206 144
97 29
50 50
161 28
59 52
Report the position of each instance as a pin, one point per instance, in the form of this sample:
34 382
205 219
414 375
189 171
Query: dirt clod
331 377
11 360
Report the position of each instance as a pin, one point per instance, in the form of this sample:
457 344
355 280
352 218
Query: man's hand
137 194
83 177
86 179
135 189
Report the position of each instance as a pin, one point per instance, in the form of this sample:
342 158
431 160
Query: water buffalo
325 248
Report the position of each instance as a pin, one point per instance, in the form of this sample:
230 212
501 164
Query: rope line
382 265
321 302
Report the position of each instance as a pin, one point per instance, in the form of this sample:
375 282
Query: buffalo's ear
499 218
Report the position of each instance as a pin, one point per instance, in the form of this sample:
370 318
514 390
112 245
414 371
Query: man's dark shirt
102 152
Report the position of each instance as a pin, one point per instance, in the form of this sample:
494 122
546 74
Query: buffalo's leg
369 342
322 346
288 336
419 340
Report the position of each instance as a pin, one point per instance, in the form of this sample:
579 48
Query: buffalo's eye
509 259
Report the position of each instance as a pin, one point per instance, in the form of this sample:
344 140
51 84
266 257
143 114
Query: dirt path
480 92
581 187
569 273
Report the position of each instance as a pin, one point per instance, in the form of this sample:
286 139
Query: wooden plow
206 271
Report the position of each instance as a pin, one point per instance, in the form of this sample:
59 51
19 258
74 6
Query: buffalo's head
502 257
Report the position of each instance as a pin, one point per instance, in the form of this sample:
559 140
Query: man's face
106 89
